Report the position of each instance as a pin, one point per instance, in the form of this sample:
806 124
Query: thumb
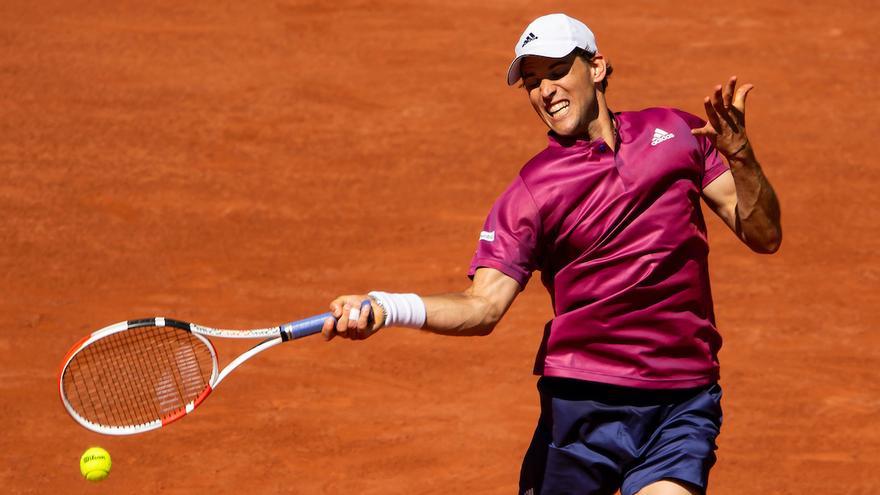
706 130
739 101
327 329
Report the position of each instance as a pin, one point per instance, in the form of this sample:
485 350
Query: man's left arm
742 196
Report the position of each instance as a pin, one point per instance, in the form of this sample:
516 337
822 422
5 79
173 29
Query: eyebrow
551 67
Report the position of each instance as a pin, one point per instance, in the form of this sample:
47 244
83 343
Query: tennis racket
140 375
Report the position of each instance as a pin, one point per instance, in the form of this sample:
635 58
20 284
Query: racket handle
305 327
311 325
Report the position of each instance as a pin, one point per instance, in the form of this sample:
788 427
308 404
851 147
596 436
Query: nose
547 88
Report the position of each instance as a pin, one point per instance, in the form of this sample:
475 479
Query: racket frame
272 335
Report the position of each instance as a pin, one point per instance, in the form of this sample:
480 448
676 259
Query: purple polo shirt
621 244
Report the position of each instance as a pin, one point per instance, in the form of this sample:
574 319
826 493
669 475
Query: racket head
137 375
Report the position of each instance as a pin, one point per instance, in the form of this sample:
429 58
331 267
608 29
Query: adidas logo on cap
660 135
531 37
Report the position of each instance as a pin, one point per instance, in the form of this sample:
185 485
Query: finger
718 102
728 92
336 311
711 116
342 322
327 330
336 307
366 311
706 130
354 315
740 100
723 113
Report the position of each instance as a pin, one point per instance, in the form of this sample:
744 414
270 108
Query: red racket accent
70 353
202 397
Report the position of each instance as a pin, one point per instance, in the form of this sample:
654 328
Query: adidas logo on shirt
660 135
531 37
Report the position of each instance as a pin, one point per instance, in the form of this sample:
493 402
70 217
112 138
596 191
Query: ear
598 67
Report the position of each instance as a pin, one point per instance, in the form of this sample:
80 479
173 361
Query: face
562 92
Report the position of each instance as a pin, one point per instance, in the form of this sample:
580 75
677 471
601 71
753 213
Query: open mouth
558 109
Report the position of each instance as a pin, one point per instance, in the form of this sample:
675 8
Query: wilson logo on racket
139 375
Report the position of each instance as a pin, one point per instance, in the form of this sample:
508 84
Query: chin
564 128
565 131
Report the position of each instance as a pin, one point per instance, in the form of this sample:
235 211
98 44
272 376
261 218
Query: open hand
726 119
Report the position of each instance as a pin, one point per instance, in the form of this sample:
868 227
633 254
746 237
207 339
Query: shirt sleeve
510 236
713 165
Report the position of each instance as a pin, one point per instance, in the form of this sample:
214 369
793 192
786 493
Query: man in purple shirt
609 213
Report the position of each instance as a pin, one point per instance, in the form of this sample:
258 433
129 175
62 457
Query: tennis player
609 213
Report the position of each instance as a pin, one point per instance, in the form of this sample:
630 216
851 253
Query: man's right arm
474 311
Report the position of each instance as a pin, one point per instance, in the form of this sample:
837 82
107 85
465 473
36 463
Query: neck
602 126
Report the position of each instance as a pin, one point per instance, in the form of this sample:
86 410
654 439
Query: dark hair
587 56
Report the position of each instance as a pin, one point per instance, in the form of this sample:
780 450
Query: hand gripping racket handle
304 328
311 325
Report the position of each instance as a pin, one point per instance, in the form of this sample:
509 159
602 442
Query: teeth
557 107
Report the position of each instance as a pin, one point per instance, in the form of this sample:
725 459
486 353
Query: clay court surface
239 165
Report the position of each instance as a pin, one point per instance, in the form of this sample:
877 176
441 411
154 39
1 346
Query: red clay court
239 165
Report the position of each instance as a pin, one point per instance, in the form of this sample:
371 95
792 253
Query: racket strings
137 376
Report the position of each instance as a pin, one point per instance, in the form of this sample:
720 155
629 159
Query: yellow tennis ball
95 464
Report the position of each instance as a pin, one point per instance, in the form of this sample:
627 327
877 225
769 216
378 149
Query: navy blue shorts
594 438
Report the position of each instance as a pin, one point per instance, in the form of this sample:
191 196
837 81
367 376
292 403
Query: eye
530 83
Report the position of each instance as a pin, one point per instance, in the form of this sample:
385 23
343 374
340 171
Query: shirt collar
569 141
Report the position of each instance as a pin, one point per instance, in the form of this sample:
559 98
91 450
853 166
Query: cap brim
538 50
513 74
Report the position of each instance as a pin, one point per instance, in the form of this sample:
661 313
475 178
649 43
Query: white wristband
401 310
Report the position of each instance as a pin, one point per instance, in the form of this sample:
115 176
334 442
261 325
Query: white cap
553 36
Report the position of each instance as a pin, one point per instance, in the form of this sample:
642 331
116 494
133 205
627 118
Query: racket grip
305 327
